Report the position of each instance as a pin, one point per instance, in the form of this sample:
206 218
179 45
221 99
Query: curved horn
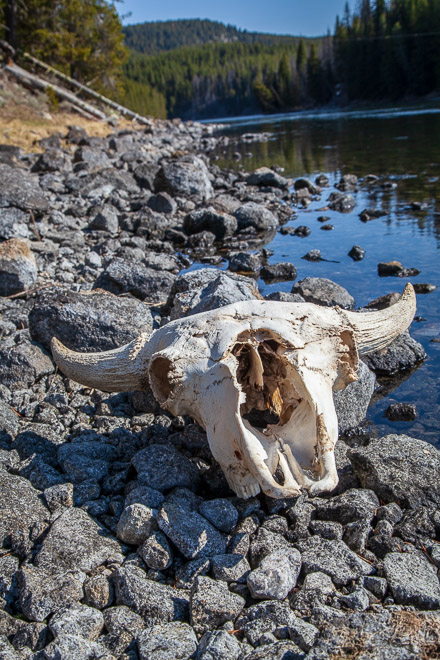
120 370
375 330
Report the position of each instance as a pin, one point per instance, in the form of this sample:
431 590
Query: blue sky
297 17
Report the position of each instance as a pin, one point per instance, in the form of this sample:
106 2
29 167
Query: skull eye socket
271 398
160 378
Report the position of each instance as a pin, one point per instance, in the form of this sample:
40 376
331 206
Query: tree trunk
11 23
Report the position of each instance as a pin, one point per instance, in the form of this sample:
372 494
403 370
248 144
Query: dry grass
26 117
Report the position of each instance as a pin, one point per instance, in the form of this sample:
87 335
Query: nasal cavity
160 378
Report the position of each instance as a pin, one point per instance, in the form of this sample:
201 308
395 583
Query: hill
158 36
199 68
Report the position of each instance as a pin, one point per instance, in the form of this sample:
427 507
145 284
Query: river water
401 146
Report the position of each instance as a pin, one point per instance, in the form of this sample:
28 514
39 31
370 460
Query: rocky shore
120 538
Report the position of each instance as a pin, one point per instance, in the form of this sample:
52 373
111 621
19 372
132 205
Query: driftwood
103 99
35 82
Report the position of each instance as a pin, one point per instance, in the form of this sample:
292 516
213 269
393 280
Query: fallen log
87 90
35 82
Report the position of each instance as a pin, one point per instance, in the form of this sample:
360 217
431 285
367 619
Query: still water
401 146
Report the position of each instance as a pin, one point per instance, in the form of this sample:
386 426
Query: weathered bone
232 367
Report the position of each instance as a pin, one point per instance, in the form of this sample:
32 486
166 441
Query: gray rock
403 353
244 262
279 272
377 585
9 567
169 641
283 296
190 532
267 177
155 602
355 504
266 542
328 530
341 203
317 588
146 496
18 188
52 160
412 579
41 594
212 604
322 291
73 646
276 575
373 635
313 255
162 203
14 223
333 558
23 362
184 176
163 467
303 183
60 495
218 645
256 216
352 403
106 220
358 599
302 633
7 651
357 253
122 619
277 612
399 468
9 423
222 225
18 268
207 289
156 551
347 182
21 510
277 651
142 282
77 619
371 214
401 412
221 513
86 460
76 542
230 568
99 591
136 524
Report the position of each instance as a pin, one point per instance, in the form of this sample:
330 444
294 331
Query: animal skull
228 366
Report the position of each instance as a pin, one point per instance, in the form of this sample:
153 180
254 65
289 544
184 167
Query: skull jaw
216 394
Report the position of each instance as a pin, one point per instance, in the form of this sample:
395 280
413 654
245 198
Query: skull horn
375 330
123 369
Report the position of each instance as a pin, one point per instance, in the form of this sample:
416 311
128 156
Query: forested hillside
385 50
236 78
152 38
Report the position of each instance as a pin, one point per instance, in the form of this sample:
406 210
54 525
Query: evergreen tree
82 38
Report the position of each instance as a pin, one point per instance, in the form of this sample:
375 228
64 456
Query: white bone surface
251 358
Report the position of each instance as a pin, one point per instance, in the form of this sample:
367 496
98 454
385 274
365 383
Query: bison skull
233 367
